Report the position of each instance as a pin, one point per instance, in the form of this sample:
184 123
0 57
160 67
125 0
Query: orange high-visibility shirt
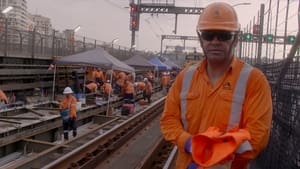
210 106
107 89
69 103
165 80
91 75
140 86
128 88
99 74
121 78
3 97
92 87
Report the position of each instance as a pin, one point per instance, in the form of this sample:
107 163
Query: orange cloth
212 146
3 97
209 105
69 103
92 87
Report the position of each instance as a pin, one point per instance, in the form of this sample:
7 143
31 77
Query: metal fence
283 151
34 45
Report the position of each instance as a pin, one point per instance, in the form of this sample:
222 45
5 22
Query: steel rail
94 150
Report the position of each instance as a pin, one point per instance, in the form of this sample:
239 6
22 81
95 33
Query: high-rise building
16 18
42 24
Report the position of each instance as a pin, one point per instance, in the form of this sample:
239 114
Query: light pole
4 12
114 41
76 29
241 45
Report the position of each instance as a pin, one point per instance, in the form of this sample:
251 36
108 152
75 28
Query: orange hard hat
213 147
218 16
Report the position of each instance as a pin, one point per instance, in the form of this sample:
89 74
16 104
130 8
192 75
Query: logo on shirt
227 86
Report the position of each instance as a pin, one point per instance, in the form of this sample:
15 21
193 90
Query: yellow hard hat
218 16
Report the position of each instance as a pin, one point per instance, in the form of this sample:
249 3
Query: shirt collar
202 66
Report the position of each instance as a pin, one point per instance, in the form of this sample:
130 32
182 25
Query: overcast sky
106 20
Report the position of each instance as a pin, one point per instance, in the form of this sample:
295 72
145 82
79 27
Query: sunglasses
210 35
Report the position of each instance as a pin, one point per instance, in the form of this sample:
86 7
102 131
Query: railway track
95 144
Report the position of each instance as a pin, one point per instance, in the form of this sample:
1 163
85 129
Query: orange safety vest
128 88
191 109
92 86
70 104
140 86
3 96
216 155
107 88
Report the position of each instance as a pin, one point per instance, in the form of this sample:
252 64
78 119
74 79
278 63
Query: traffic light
247 37
134 17
256 29
290 39
268 38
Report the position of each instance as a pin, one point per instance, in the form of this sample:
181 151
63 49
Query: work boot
74 133
66 136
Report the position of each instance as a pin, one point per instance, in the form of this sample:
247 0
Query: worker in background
90 74
107 89
147 90
99 76
150 76
139 86
67 109
92 87
120 80
3 97
220 95
128 91
130 77
165 80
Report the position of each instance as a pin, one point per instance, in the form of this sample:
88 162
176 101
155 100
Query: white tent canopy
97 57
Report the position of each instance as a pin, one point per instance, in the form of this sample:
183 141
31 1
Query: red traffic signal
134 17
133 9
256 29
134 23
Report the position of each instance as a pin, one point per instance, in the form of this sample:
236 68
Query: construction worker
99 76
92 87
165 80
120 80
3 97
147 93
128 91
221 92
139 86
68 112
107 89
90 74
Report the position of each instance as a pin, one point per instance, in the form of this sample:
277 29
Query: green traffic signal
247 36
291 39
268 38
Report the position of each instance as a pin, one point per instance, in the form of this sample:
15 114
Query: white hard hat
68 90
145 79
